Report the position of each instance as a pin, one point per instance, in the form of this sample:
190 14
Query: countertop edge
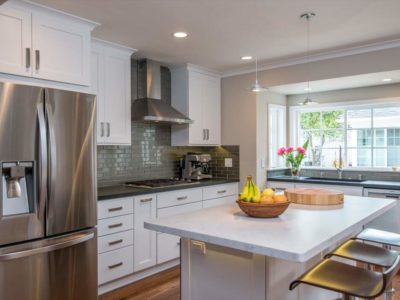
163 189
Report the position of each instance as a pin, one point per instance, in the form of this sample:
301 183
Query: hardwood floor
162 286
166 286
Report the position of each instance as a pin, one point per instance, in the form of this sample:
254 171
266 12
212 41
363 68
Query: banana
244 192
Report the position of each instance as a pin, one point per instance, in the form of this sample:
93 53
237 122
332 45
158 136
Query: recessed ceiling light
307 89
246 57
387 79
180 34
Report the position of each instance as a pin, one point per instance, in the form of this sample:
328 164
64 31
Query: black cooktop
157 183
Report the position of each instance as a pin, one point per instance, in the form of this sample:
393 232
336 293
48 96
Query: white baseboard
109 286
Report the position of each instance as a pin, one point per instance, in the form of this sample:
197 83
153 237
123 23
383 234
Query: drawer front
180 209
114 225
114 207
179 197
115 264
168 247
221 190
114 241
220 201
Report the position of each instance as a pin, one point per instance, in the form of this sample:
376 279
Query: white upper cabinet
15 34
111 82
197 94
44 43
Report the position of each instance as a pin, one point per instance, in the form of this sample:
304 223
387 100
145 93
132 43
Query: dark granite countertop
394 185
119 191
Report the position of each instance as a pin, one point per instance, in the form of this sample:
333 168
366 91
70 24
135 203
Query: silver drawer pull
115 225
146 200
28 58
116 265
221 192
200 246
37 60
115 208
182 198
115 242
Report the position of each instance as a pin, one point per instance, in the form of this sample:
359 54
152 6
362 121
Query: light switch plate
228 162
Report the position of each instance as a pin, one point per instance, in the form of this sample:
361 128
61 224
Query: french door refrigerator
48 241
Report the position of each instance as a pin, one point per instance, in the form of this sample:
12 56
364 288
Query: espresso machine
195 166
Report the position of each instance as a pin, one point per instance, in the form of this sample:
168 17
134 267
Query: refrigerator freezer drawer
114 225
62 268
115 241
115 264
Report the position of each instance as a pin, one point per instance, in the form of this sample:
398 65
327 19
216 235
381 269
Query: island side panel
215 272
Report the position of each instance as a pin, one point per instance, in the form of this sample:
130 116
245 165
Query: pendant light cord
308 56
256 70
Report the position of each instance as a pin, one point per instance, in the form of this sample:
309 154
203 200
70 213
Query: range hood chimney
150 107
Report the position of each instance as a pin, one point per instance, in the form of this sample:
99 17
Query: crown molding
315 57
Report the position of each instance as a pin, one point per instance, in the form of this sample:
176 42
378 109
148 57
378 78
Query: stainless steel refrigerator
48 247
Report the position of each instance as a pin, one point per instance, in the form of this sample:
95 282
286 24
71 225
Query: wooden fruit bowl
263 210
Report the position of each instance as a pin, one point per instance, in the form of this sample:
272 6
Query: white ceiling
221 31
348 82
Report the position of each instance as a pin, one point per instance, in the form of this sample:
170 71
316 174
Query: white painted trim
113 285
198 69
315 57
115 45
42 8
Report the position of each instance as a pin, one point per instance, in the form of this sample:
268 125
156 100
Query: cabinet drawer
114 225
114 241
114 207
179 197
168 247
115 264
221 190
180 209
219 201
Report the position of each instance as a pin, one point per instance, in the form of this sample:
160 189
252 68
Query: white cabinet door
145 240
212 110
61 49
197 134
117 94
15 36
97 88
168 247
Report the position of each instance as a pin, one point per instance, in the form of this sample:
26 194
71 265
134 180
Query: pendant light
256 87
308 101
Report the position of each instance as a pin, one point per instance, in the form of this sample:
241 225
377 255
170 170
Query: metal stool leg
388 295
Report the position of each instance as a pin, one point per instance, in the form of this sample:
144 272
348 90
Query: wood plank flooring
166 286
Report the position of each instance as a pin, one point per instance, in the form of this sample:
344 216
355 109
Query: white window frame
273 152
294 112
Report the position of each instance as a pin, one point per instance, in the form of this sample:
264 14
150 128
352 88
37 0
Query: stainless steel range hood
150 107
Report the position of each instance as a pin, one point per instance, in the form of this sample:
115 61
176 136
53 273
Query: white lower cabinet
115 264
145 240
126 247
168 247
114 241
219 201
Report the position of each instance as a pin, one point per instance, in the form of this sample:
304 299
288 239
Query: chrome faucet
339 166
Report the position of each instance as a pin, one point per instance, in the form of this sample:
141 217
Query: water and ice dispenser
17 188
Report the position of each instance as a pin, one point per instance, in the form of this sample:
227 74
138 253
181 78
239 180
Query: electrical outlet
228 162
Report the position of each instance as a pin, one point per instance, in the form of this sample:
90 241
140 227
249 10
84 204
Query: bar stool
348 280
369 255
387 239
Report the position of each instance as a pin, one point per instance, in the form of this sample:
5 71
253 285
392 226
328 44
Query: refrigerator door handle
42 159
52 150
80 238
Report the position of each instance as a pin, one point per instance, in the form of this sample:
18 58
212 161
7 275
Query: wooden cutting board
314 196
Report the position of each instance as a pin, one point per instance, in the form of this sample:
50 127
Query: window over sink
369 135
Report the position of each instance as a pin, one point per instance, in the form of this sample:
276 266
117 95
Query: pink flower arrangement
294 158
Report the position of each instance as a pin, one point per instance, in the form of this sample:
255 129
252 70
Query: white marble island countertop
300 233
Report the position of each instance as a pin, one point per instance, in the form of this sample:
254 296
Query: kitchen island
227 255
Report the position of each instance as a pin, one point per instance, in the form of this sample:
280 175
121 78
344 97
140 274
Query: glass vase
295 172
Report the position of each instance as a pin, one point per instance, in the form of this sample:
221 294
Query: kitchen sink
335 179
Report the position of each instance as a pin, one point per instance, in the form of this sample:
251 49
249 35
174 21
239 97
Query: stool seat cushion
366 253
380 236
343 278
